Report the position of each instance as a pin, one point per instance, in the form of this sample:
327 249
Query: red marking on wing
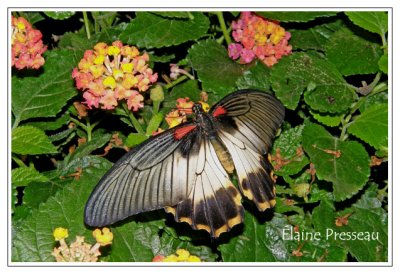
219 111
181 132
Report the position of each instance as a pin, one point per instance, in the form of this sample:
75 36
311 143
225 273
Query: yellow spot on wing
205 227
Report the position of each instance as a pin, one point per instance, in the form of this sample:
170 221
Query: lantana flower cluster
26 45
183 108
109 74
259 38
182 255
79 250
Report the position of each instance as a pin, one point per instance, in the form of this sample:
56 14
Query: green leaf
255 78
295 16
344 163
51 123
142 239
374 99
36 194
154 123
323 217
135 139
45 95
327 119
367 217
33 239
293 74
315 37
30 140
147 30
383 63
60 15
376 22
32 17
217 72
189 88
22 176
343 50
173 14
80 157
161 58
288 144
271 242
371 126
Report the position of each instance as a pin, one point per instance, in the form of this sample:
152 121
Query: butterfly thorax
206 124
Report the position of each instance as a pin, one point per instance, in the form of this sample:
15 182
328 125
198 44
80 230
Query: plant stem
134 121
88 130
156 107
177 81
82 125
86 20
223 27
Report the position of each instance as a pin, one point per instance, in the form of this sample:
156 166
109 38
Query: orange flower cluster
183 108
108 74
26 45
258 38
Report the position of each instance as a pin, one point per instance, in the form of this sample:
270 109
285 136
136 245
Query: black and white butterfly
186 169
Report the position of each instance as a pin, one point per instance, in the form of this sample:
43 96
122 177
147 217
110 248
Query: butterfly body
186 169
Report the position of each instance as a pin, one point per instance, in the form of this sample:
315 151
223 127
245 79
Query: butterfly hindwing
214 203
247 122
155 174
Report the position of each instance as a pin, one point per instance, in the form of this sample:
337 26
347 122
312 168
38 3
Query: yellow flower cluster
181 255
79 250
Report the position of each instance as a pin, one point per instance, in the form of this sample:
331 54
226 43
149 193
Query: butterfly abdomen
223 155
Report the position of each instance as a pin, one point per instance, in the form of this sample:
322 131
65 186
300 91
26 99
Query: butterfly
186 169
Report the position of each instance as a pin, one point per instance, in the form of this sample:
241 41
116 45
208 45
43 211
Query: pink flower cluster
258 38
109 74
26 45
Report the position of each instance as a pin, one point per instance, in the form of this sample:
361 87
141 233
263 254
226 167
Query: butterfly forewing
153 175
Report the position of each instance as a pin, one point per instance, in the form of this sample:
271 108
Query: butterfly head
197 108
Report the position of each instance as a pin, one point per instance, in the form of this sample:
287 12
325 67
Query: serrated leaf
367 217
323 217
344 48
327 119
28 140
45 95
135 139
217 72
290 16
371 126
376 22
254 78
33 239
271 241
60 15
22 176
314 37
147 30
293 74
384 63
154 123
289 145
344 163
173 14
